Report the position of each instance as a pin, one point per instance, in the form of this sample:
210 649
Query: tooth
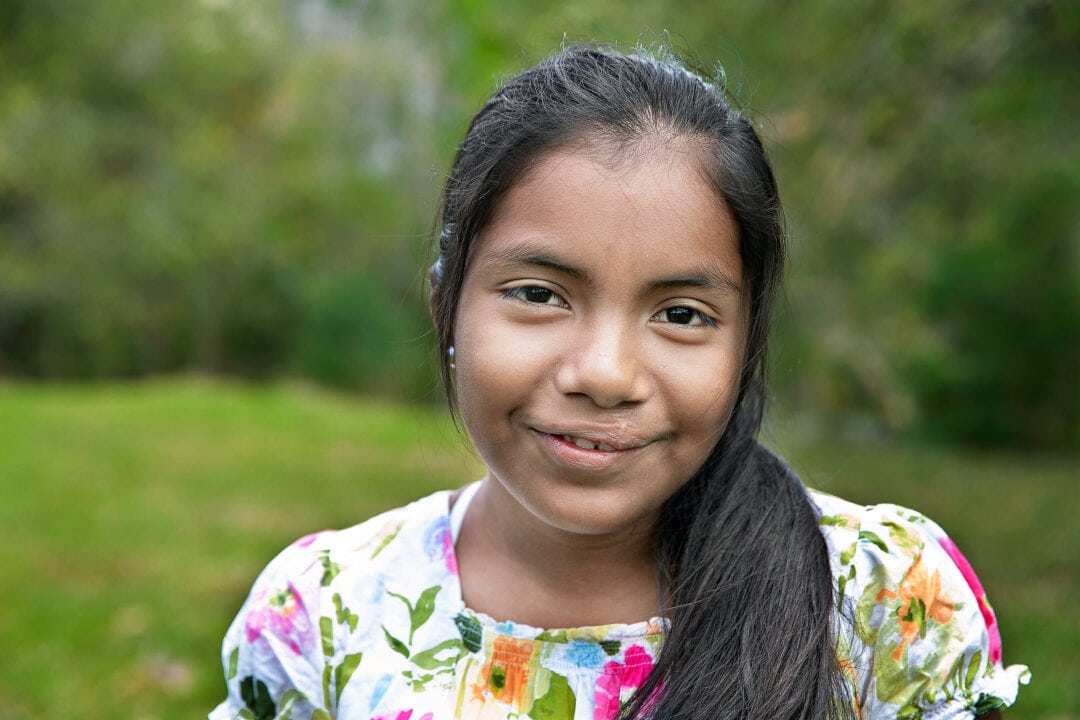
584 444
605 448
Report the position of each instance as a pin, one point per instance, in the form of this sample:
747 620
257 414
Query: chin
598 516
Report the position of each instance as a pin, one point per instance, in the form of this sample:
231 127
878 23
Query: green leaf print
257 698
610 647
429 659
327 675
909 712
425 606
557 703
985 703
396 645
288 699
553 636
344 615
344 671
917 614
841 584
471 632
422 611
387 540
234 660
833 520
973 665
497 678
326 632
903 537
872 537
330 568
417 683
868 602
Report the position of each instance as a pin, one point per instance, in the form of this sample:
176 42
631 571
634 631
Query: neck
514 566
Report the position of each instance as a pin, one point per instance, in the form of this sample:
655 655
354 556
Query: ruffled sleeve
916 625
273 652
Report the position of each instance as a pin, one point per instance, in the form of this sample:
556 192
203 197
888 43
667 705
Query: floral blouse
368 623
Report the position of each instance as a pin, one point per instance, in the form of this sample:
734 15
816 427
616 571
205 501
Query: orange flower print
506 675
920 595
847 669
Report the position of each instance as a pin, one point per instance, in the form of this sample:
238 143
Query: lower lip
584 458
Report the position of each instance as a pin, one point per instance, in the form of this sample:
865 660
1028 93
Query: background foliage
247 188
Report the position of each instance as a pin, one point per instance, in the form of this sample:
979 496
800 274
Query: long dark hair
749 589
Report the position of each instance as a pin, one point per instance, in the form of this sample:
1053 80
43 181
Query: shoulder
285 634
395 541
915 624
887 541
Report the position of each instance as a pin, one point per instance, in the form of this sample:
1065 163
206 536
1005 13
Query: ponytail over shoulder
750 595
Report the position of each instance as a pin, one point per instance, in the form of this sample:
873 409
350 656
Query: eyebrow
706 277
530 255
703 277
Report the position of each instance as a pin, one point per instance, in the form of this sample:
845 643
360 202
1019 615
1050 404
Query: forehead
647 209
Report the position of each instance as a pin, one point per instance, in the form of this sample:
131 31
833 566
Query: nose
604 364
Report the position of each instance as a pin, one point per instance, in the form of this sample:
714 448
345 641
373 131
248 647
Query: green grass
136 516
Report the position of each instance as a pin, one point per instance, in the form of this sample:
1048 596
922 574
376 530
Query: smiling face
599 337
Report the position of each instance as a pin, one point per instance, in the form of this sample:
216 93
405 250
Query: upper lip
616 439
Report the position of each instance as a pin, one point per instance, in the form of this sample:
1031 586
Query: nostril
609 379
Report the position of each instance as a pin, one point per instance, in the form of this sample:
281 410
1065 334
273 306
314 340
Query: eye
534 294
682 315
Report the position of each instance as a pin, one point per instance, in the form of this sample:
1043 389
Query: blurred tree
940 239
233 186
177 180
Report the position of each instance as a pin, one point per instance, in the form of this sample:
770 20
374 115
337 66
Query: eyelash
519 293
695 314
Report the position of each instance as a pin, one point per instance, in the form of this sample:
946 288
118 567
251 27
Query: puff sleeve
273 652
916 632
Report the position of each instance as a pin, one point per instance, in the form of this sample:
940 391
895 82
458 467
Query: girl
611 247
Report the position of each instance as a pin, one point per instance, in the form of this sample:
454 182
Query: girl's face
599 337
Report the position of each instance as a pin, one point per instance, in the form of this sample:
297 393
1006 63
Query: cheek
498 364
701 392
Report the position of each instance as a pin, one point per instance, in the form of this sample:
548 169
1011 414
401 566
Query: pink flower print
402 715
976 587
439 543
449 554
619 677
281 616
308 539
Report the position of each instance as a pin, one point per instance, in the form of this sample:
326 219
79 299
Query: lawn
135 517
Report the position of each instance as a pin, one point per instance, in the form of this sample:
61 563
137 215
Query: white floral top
368 623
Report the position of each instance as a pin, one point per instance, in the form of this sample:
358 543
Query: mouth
599 440
593 450
587 444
